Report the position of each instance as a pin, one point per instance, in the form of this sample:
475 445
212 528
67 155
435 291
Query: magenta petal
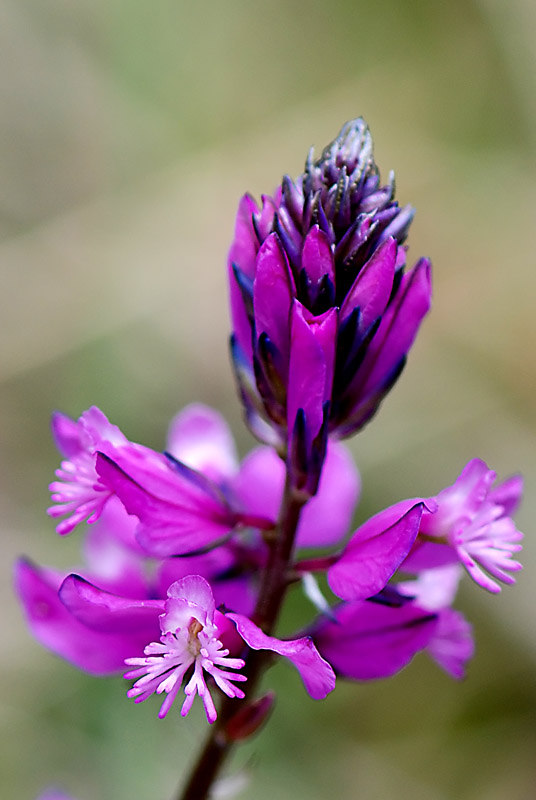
176 516
57 629
369 640
245 243
209 566
116 568
326 517
239 594
429 555
507 494
243 253
258 486
196 590
398 328
316 674
106 612
317 256
452 644
312 356
272 295
171 482
372 287
67 434
200 438
462 499
375 551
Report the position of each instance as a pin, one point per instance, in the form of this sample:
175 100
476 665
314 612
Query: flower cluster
323 310
188 553
183 624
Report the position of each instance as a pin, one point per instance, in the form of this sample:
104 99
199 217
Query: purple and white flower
196 495
192 630
472 525
190 637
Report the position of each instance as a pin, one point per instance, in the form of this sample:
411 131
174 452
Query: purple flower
79 494
472 525
114 562
190 638
62 609
370 639
172 500
323 314
197 496
375 638
192 630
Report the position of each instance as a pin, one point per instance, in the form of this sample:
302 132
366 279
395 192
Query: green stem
271 595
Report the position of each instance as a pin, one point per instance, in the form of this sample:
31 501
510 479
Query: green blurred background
129 130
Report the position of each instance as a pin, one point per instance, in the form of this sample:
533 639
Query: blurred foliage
128 132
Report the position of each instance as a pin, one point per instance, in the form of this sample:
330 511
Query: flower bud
250 718
323 311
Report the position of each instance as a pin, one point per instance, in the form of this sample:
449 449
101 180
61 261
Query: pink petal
67 435
461 500
196 590
99 429
369 640
107 612
326 517
434 589
372 287
316 674
452 643
200 438
176 515
114 566
100 653
375 551
507 494
272 296
312 355
258 486
317 256
116 525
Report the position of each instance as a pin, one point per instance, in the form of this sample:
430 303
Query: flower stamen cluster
196 644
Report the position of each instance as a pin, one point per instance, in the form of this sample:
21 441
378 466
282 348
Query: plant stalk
272 591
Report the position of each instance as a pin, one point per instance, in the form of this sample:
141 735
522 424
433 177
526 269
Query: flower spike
318 269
